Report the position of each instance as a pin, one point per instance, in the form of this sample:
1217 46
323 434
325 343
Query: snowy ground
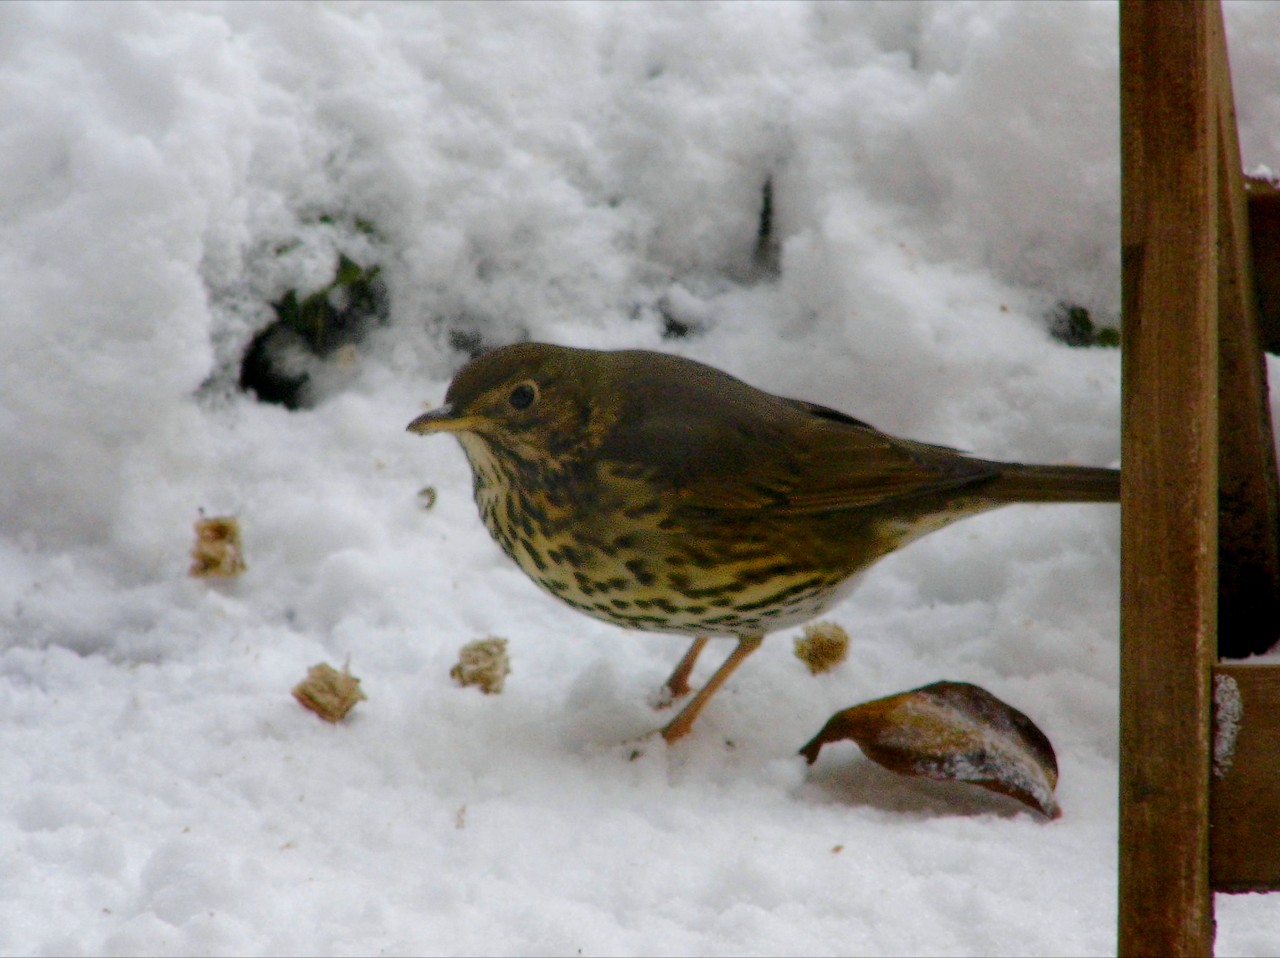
944 175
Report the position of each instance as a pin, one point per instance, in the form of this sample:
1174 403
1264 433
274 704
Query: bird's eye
522 396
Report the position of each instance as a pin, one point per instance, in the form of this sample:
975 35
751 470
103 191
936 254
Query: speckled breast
609 547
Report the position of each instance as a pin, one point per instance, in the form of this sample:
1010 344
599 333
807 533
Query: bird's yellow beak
441 419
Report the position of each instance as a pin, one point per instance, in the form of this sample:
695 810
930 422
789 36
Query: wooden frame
1200 554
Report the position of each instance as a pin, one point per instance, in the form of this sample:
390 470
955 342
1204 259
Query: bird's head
528 399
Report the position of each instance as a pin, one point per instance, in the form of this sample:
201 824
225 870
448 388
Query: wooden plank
1264 240
1169 481
1248 501
1245 795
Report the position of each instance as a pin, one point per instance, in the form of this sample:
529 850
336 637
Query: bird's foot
678 727
677 686
664 697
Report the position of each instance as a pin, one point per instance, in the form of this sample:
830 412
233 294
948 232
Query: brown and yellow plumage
655 492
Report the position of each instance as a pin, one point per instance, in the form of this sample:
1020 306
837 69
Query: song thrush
657 493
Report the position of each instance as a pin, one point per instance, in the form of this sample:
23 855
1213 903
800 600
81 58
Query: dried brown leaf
951 731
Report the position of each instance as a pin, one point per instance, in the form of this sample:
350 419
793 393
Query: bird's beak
441 419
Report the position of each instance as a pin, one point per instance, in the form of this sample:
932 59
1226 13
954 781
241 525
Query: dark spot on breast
636 621
637 568
684 585
780 597
642 509
534 556
763 574
711 592
702 559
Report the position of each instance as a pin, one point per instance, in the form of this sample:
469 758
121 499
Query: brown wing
830 461
719 444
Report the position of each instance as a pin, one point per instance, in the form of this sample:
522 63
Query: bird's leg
679 726
678 684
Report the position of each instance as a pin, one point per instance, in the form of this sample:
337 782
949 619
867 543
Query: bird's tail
1019 483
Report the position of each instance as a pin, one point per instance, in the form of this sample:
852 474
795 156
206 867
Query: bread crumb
822 647
329 693
217 552
483 663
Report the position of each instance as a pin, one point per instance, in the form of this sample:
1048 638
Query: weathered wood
1248 507
1264 241
1245 797
1169 485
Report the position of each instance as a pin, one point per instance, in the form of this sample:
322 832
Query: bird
655 492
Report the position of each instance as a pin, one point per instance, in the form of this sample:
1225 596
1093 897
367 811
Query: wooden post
1169 486
1248 503
1245 800
1264 243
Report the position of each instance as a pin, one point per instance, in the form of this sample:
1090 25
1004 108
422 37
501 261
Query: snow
944 175
1228 710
